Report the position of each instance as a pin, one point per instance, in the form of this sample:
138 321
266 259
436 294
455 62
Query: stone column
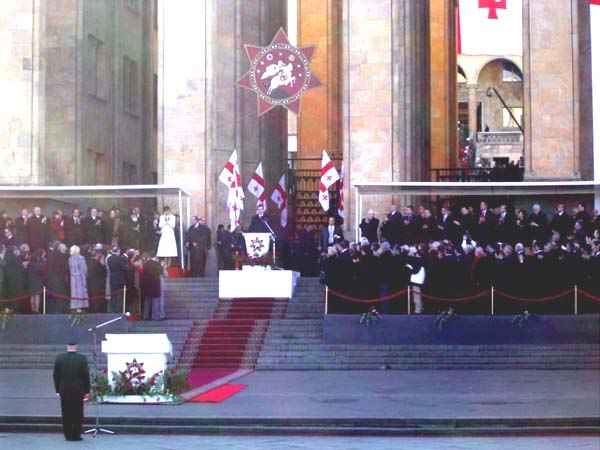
556 90
472 91
385 94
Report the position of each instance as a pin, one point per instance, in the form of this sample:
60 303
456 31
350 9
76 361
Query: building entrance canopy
132 191
471 188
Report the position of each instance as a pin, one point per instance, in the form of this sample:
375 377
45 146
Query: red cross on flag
256 186
595 44
279 197
328 176
490 27
230 177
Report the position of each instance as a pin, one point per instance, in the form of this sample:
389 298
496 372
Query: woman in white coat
167 245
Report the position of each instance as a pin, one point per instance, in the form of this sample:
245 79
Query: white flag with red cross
230 177
256 186
279 197
329 175
490 27
595 43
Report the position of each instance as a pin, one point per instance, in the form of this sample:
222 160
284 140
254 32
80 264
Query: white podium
150 349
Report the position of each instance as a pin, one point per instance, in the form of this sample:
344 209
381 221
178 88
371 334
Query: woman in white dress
167 245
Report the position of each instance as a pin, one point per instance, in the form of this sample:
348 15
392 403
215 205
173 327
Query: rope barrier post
124 298
575 300
326 298
44 301
492 291
408 300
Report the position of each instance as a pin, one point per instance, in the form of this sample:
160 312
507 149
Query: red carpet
218 394
201 377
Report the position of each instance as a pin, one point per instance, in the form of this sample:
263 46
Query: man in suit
330 234
117 267
446 226
21 225
369 227
485 225
71 382
198 243
74 229
505 228
93 228
38 230
561 222
259 221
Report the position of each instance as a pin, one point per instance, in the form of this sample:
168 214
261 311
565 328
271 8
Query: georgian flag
230 177
595 41
328 176
279 197
256 186
341 194
490 27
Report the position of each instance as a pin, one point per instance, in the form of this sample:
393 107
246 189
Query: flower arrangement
445 317
133 381
265 260
77 317
5 315
371 317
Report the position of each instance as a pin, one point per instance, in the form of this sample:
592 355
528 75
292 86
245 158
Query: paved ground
157 442
352 394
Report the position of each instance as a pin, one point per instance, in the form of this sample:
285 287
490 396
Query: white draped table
257 282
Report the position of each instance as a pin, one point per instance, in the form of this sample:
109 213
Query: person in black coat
74 234
36 278
71 381
117 267
259 221
506 227
96 281
369 227
198 244
21 226
330 235
537 223
393 226
561 222
15 277
93 228
150 287
57 275
485 225
38 230
445 225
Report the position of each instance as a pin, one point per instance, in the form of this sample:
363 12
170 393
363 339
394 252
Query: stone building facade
78 79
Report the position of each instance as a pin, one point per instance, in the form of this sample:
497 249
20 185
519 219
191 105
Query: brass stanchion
576 299
124 299
44 301
326 299
492 300
408 300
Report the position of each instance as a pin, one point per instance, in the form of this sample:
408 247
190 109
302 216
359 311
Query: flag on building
595 42
341 194
256 186
279 197
490 27
230 177
328 176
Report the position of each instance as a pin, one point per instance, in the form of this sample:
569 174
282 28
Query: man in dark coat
485 225
259 221
57 276
74 229
96 282
71 382
93 228
150 287
38 230
445 225
330 234
198 243
537 223
561 222
117 267
369 227
21 226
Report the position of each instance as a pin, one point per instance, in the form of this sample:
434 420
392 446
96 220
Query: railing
499 137
470 174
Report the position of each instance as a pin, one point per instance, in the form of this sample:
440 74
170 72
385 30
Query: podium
150 349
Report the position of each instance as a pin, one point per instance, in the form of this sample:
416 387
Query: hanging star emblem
279 74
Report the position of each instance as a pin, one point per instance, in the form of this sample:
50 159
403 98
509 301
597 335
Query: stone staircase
296 343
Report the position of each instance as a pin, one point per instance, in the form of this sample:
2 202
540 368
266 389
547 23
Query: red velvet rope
538 300
457 299
588 295
56 295
370 300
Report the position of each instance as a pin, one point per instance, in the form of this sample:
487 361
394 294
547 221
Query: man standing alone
72 382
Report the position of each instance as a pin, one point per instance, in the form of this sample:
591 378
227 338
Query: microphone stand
274 240
97 428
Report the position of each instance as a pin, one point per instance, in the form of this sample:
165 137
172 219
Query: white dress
167 245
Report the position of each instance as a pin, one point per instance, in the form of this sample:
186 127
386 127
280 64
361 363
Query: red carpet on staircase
232 338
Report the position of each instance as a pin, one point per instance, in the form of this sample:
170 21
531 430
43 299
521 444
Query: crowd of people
94 262
528 255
